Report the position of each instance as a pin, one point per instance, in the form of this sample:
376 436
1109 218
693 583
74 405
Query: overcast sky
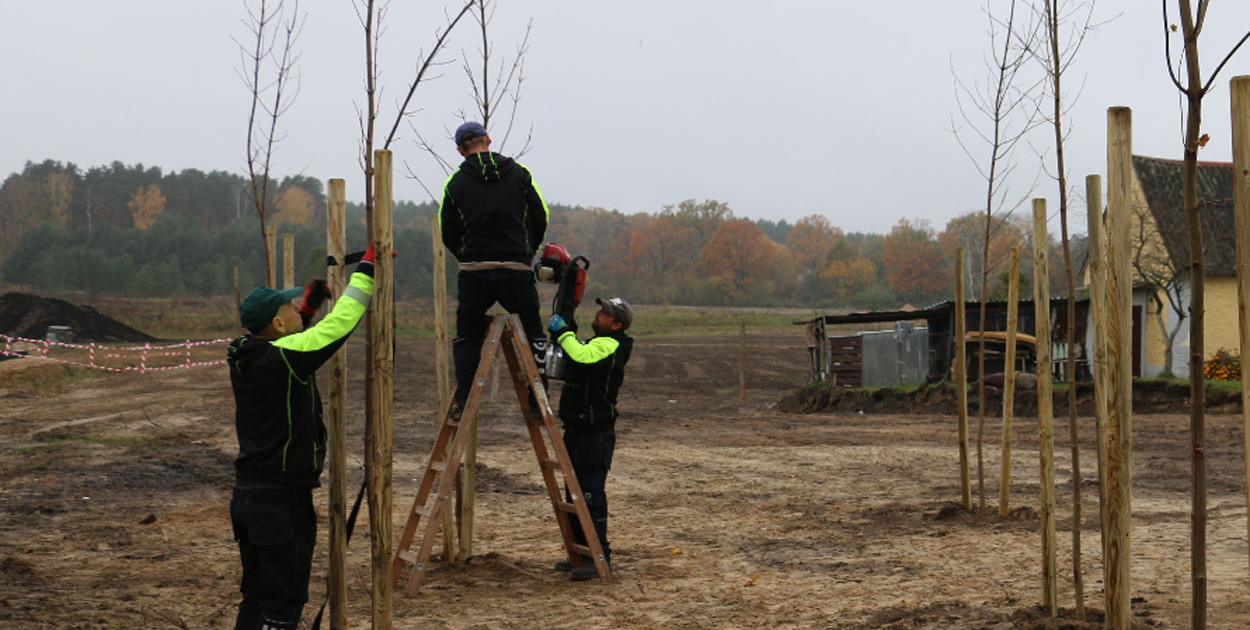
781 109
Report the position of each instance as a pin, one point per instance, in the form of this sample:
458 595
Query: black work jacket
492 211
592 378
282 439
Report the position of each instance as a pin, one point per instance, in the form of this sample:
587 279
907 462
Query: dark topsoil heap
28 316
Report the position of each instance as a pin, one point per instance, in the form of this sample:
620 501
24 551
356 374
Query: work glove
365 265
557 325
316 292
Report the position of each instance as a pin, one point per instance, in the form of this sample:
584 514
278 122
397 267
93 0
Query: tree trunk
1197 390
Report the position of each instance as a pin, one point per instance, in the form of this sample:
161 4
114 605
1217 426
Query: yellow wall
1221 316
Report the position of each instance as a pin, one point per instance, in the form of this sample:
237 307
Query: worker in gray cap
592 379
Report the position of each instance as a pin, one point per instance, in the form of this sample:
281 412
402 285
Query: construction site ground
114 492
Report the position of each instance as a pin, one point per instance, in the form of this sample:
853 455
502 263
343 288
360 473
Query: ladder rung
568 507
582 549
439 466
423 511
407 556
553 464
451 423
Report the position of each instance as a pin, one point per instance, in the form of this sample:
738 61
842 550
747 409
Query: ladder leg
522 364
443 461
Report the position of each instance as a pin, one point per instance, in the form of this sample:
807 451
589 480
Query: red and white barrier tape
43 346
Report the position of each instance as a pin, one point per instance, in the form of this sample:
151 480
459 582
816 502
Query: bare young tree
268 69
1193 89
1155 268
1065 25
491 91
998 115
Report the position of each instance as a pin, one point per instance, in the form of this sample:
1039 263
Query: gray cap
619 309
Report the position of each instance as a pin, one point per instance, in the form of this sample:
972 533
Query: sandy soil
114 491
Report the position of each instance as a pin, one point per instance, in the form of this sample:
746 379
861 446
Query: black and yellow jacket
492 211
282 439
592 378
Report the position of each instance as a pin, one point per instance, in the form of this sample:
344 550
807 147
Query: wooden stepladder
505 334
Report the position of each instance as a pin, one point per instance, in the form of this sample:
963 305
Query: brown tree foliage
914 264
968 231
737 256
659 245
145 205
810 241
294 206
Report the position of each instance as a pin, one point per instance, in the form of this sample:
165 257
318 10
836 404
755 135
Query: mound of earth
29 316
1149 396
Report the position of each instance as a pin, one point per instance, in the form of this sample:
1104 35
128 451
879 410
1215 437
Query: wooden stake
961 381
1240 88
742 367
380 392
441 378
271 247
1098 331
1009 379
1045 411
288 261
237 299
336 274
1119 331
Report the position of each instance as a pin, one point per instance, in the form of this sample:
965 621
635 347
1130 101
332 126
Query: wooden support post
381 392
1098 332
336 275
237 299
1240 88
1119 331
271 261
959 336
288 261
441 375
742 367
1009 379
1045 412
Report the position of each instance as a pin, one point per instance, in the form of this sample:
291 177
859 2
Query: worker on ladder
592 378
493 219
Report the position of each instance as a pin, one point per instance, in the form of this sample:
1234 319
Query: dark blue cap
469 131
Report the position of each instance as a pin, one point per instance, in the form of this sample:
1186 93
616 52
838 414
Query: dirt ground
114 491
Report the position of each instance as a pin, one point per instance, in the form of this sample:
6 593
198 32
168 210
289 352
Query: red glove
368 255
316 292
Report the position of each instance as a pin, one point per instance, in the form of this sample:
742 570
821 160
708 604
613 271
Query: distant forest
139 231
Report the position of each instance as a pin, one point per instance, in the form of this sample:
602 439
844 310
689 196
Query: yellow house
1161 261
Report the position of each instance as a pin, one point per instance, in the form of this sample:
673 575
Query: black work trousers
591 456
514 290
276 528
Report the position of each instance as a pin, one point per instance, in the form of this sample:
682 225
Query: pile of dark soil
1149 396
25 315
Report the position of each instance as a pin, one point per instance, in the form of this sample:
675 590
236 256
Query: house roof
1161 183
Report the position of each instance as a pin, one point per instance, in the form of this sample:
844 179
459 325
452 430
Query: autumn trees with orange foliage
693 252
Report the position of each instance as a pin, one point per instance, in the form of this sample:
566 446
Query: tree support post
1240 90
1118 432
1009 379
1045 411
336 238
961 381
382 361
